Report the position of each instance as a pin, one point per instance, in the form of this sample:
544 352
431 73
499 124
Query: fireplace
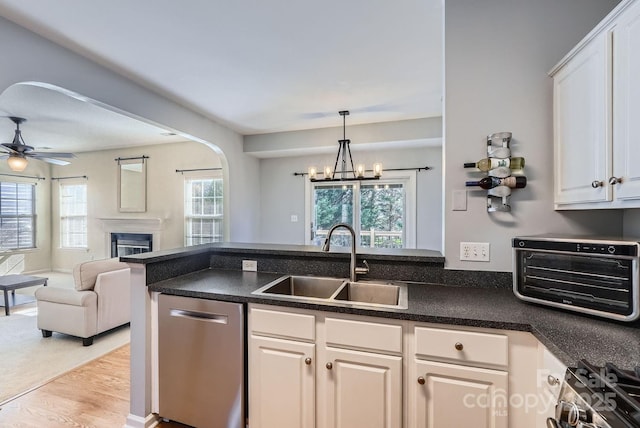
126 244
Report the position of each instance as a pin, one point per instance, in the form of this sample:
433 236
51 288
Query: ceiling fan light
17 163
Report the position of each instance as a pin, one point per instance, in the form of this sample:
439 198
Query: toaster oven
597 276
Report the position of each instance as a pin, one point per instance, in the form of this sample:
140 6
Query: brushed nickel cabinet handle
615 180
421 380
329 366
597 183
307 361
459 346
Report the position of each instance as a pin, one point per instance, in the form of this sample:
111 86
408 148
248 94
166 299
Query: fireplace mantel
135 225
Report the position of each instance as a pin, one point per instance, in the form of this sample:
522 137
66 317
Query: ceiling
257 66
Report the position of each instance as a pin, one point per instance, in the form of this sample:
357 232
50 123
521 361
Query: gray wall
282 194
497 55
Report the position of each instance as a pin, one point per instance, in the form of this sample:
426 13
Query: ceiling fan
17 151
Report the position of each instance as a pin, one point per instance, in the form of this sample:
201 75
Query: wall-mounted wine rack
498 165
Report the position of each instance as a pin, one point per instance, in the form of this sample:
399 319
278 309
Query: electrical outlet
474 251
250 265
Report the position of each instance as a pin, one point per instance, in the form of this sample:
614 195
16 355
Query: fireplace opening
126 244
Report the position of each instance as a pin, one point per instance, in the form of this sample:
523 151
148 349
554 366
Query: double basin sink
337 291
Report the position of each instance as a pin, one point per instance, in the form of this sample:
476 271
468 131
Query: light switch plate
459 200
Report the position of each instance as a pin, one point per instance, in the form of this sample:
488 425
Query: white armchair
100 301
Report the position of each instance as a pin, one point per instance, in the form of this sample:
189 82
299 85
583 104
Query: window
380 212
73 215
203 211
17 216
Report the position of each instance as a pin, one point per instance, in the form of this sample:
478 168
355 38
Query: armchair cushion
85 274
65 296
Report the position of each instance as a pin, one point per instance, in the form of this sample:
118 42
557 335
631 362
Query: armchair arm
114 298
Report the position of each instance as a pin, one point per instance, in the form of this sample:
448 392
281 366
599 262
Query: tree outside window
376 211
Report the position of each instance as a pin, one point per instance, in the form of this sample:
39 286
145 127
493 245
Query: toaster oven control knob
611 249
569 413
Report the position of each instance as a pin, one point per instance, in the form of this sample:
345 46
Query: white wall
34 58
165 195
497 55
283 194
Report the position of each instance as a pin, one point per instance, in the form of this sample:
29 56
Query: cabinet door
449 395
363 390
281 383
626 103
582 137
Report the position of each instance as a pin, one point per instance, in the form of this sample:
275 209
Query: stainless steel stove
598 397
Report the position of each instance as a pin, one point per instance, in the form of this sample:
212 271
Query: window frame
62 217
407 178
188 217
32 216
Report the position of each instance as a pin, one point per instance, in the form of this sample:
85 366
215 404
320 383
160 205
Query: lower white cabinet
345 372
282 379
451 395
363 389
311 369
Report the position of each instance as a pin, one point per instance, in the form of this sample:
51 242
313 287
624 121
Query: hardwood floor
93 395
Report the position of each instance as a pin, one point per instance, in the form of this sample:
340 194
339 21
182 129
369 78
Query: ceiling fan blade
53 161
39 155
7 149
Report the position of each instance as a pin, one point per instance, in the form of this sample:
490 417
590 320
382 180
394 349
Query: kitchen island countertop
569 336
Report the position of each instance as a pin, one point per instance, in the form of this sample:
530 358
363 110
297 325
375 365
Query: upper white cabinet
596 99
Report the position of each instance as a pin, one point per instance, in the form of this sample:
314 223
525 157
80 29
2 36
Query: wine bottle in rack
488 164
514 182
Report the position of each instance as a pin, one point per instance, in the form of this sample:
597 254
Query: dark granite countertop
402 254
569 336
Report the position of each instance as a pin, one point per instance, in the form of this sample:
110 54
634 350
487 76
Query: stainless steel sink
372 293
303 286
338 291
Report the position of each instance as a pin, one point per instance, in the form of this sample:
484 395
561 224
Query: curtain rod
198 169
67 178
143 157
424 168
24 176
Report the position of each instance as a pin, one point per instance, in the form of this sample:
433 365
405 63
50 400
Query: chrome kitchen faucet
353 270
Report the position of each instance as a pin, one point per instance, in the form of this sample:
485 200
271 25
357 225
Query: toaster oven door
600 285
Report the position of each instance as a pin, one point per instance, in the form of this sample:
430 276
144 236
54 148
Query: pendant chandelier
345 160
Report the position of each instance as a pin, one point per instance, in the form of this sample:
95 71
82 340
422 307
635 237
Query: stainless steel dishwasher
201 362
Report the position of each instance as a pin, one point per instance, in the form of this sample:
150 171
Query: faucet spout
327 246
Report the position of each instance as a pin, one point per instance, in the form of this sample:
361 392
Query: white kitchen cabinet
596 105
581 115
282 377
347 371
459 378
363 389
626 105
451 395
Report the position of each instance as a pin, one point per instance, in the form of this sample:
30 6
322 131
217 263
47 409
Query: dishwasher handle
200 316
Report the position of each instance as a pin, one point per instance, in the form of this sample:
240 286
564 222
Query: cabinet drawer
282 324
467 346
364 335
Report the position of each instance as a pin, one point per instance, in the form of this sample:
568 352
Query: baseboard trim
134 421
